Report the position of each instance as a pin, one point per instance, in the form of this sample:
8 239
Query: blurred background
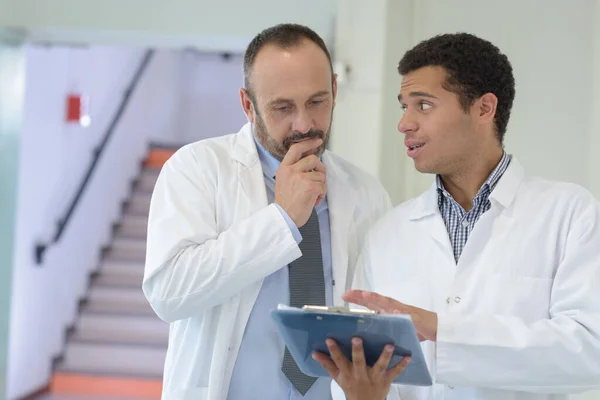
95 96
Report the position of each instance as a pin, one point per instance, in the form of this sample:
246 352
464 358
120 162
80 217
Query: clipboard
304 331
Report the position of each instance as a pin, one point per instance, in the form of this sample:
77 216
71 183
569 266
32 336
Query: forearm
556 355
198 276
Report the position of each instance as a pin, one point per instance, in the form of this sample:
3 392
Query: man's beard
279 150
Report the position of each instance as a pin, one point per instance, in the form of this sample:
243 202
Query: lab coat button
457 299
451 387
448 300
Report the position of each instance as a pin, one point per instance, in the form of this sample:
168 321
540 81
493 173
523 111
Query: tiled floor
63 397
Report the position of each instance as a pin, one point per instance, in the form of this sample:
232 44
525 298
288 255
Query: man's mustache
288 141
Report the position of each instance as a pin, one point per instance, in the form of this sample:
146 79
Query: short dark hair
474 67
284 36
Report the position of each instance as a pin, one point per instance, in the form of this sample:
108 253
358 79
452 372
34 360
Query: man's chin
420 166
424 169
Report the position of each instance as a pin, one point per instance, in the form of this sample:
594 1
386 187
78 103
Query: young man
243 222
499 271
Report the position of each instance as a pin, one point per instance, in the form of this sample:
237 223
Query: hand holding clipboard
307 330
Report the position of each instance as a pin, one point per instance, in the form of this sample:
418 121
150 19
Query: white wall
370 39
53 158
359 43
594 148
210 99
399 25
594 153
12 93
206 24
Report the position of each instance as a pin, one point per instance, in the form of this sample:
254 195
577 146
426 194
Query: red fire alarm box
77 109
73 108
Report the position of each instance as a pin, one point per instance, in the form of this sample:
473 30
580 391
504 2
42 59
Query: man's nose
303 122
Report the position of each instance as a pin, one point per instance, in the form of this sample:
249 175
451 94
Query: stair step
125 256
90 387
119 280
130 256
132 225
84 394
113 359
147 179
118 300
158 156
122 267
139 202
129 243
127 249
136 330
120 273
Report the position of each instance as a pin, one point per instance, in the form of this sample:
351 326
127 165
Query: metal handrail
41 248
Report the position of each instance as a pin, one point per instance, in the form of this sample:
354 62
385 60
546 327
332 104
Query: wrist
362 396
434 327
287 213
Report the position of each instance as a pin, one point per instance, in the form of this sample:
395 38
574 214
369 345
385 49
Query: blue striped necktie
307 287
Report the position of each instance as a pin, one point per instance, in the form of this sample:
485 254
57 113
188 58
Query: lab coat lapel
427 213
500 212
341 203
250 171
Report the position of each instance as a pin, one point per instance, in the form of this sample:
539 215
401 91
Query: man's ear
334 87
486 108
247 105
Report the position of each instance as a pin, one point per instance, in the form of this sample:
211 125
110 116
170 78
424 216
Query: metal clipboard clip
339 310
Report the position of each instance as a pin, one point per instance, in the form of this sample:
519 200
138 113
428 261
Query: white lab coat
213 238
519 315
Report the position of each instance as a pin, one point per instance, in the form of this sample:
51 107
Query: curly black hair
474 66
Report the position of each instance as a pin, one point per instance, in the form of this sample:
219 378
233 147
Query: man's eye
425 106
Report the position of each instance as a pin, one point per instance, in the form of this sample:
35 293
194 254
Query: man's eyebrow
282 100
319 94
417 94
279 101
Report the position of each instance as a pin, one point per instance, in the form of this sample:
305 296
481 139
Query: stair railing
41 248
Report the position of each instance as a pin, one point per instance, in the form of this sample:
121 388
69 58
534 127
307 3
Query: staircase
117 347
